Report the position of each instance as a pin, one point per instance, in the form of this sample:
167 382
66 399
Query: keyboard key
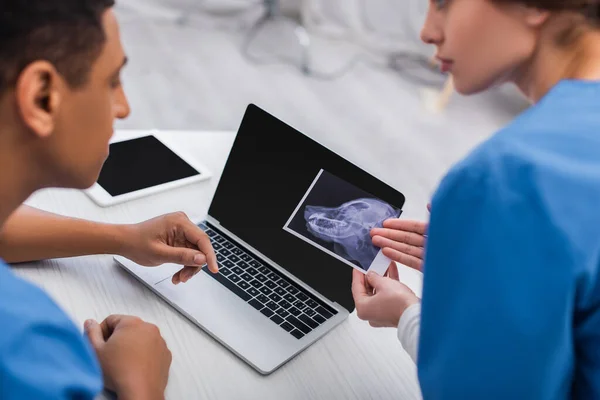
284 284
224 271
233 258
285 304
247 277
280 291
266 291
308 321
254 263
237 270
220 258
273 276
297 334
273 306
262 269
302 296
228 245
312 304
234 278
253 292
270 284
249 269
275 298
256 284
217 246
237 252
228 284
287 326
310 312
282 313
324 312
317 318
263 299
220 239
295 312
228 264
293 290
246 257
203 226
290 298
244 266
225 252
254 303
210 233
277 319
267 312
245 285
299 305
260 278
299 325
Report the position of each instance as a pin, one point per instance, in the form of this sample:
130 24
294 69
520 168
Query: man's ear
39 97
535 17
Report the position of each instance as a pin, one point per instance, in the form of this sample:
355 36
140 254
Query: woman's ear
38 97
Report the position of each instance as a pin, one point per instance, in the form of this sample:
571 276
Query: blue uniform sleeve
42 354
497 295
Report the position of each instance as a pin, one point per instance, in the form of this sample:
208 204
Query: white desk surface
354 361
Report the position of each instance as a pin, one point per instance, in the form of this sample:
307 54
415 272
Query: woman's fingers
404 259
392 272
406 225
402 247
407 237
402 241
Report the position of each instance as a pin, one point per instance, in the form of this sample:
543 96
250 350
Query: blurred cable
182 15
412 65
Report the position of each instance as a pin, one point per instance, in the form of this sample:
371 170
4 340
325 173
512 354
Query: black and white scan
337 217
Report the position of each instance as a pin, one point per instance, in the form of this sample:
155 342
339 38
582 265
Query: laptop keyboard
285 303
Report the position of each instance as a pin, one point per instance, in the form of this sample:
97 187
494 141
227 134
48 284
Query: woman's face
481 43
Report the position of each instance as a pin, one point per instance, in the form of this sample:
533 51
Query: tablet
141 164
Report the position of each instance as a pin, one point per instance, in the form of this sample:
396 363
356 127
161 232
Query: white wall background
381 25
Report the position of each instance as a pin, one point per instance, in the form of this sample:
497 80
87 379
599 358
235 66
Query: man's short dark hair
66 33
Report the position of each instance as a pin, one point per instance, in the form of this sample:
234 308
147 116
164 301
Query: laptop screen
295 201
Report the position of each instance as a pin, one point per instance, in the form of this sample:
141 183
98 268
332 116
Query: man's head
60 88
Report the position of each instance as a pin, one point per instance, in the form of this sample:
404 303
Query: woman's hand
402 241
381 300
171 238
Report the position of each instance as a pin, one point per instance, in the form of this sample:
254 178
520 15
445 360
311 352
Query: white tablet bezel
102 198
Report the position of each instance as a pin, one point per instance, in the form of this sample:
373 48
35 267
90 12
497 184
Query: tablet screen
141 163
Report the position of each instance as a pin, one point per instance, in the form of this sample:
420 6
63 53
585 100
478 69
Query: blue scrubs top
42 354
511 295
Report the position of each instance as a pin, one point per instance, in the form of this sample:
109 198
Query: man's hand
171 238
381 300
134 357
402 241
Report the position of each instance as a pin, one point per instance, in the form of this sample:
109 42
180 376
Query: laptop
285 270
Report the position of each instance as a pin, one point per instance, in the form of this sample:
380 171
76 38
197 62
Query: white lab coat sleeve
408 330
